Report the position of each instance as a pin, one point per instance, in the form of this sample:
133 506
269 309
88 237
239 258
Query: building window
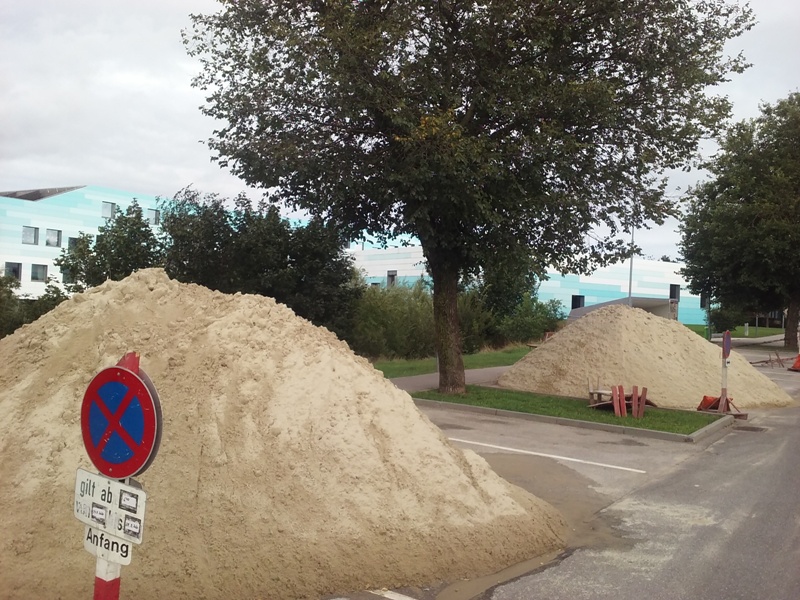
38 272
71 243
67 276
109 210
391 278
30 235
153 216
53 238
13 270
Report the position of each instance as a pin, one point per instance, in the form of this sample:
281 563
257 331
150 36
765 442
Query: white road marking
577 460
391 595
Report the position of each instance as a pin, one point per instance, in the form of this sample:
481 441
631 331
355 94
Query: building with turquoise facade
653 282
36 225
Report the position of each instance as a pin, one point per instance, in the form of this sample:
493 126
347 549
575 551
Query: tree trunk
447 328
792 319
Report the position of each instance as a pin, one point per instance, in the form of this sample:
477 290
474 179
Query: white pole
630 275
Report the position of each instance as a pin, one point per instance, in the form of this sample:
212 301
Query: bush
477 323
397 322
724 319
394 322
16 311
11 314
531 319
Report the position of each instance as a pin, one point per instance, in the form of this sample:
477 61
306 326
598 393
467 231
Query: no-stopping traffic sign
121 421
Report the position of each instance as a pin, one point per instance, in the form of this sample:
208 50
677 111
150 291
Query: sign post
726 353
121 427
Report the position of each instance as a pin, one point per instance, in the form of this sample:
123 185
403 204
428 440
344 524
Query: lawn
673 421
495 358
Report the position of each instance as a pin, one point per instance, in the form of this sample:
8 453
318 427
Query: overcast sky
98 92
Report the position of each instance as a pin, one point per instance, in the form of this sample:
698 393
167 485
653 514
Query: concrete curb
717 426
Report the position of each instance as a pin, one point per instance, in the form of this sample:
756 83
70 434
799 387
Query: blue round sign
121 422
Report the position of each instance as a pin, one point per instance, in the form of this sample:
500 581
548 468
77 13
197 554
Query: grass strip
673 421
481 360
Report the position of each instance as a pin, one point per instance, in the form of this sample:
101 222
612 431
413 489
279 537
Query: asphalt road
717 520
723 525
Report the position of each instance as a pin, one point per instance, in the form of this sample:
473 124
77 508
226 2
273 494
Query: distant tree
505 281
667 258
234 246
199 233
492 128
11 316
740 234
80 265
16 311
36 307
123 245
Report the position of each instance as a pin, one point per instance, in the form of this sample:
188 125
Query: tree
483 129
10 310
16 311
740 236
36 307
198 239
233 246
123 245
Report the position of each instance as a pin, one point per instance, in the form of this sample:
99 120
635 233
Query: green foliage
233 246
397 322
531 319
80 265
483 129
11 315
198 239
683 422
123 245
726 319
394 322
16 311
476 320
35 308
740 234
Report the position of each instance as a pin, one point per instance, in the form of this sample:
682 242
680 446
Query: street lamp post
630 274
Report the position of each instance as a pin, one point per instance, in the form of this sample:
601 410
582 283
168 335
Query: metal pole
630 275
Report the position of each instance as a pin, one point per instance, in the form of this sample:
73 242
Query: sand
620 345
288 468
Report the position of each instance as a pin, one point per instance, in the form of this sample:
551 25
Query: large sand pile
622 345
288 467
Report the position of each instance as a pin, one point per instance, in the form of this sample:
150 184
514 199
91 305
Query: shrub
531 319
394 322
476 321
723 319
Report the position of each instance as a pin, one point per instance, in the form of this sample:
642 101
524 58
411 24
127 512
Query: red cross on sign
121 420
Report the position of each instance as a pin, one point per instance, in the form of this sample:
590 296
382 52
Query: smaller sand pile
628 346
289 467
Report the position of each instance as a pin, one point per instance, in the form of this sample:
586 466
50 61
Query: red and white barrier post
106 580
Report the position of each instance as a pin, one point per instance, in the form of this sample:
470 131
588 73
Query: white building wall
71 212
651 279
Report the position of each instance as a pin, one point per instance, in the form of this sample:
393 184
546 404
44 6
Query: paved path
418 383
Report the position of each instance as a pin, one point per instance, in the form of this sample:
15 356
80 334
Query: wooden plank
622 407
635 402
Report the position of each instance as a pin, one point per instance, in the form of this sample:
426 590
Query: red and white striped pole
106 580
